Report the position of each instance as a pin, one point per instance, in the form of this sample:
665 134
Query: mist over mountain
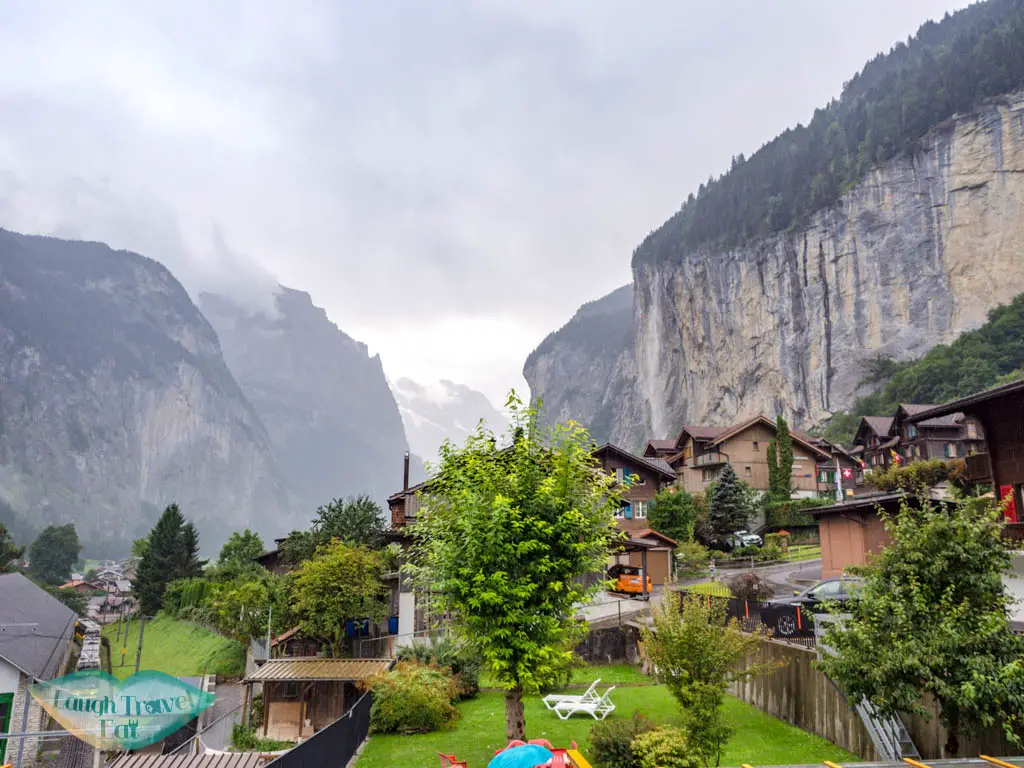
333 422
444 410
115 401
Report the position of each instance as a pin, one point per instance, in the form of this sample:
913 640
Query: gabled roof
35 650
965 403
880 425
950 420
660 445
913 409
660 466
698 432
761 418
650 533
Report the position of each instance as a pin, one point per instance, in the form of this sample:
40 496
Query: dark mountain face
115 401
332 419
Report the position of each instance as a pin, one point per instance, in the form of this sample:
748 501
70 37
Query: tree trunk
515 718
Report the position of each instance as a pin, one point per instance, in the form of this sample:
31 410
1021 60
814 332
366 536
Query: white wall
8 678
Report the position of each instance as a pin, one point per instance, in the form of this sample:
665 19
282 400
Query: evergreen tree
9 552
172 553
729 505
780 463
54 554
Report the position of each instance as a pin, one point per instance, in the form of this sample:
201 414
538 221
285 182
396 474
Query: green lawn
609 674
177 648
760 739
709 588
804 552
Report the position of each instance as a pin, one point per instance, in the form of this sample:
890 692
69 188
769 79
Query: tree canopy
356 521
9 551
54 553
932 619
948 67
241 548
172 554
504 540
674 513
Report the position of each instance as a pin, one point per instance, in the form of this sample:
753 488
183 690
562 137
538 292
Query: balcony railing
977 467
710 459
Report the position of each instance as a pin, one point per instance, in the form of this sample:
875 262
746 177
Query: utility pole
138 656
270 615
124 640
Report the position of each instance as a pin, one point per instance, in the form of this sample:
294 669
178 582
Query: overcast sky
450 179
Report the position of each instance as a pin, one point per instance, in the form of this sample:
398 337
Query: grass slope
759 740
177 648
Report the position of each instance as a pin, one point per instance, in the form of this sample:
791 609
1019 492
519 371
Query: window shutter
629 511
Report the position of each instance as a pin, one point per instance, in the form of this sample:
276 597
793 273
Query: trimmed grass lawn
609 674
804 552
759 740
709 588
177 648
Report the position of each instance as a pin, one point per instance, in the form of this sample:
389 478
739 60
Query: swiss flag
847 473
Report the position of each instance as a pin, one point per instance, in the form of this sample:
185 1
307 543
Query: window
757 446
972 431
911 431
291 690
828 590
640 510
746 471
708 474
950 450
620 513
959 449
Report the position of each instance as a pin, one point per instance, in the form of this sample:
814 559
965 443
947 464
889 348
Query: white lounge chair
598 709
555 698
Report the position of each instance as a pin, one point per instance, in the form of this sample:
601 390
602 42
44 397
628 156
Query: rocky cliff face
443 411
912 256
333 421
586 370
115 401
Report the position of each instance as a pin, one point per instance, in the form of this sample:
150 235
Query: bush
663 748
692 557
750 586
245 740
778 539
920 475
769 552
611 741
461 660
412 698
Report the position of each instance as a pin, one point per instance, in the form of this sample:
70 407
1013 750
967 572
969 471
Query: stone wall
611 645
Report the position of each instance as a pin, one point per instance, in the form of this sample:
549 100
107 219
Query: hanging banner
112 714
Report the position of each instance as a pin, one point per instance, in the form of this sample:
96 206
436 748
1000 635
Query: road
217 735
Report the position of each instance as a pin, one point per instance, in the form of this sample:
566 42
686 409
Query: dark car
837 589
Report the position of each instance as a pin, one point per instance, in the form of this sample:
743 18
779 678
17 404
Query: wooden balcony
710 459
977 467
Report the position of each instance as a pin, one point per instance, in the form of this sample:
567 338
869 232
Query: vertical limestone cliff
115 401
916 253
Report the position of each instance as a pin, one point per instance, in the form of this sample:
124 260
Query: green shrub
919 475
778 539
663 748
412 698
692 557
769 552
245 740
463 662
611 741
188 597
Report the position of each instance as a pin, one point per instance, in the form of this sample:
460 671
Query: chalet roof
311 668
913 409
650 533
738 428
657 465
947 421
966 403
661 445
704 433
880 425
211 759
35 650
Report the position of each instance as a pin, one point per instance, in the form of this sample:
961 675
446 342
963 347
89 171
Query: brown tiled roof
658 465
880 425
184 760
662 445
949 420
650 532
318 669
913 409
705 433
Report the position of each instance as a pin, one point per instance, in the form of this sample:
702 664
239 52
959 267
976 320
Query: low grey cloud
450 179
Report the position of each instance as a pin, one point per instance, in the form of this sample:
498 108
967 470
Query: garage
659 556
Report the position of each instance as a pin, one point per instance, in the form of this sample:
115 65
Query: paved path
217 735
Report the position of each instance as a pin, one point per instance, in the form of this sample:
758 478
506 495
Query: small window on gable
746 471
757 446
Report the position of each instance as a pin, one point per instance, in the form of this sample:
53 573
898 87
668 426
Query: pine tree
54 553
172 553
729 506
9 551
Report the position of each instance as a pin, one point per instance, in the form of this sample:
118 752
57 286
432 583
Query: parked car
741 539
838 589
627 579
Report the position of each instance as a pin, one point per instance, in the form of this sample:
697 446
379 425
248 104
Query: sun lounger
589 695
598 709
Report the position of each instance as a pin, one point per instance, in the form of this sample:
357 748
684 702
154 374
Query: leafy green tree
780 462
139 546
674 512
298 547
172 554
729 507
241 548
54 553
932 620
699 653
339 583
69 597
356 521
502 541
9 551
